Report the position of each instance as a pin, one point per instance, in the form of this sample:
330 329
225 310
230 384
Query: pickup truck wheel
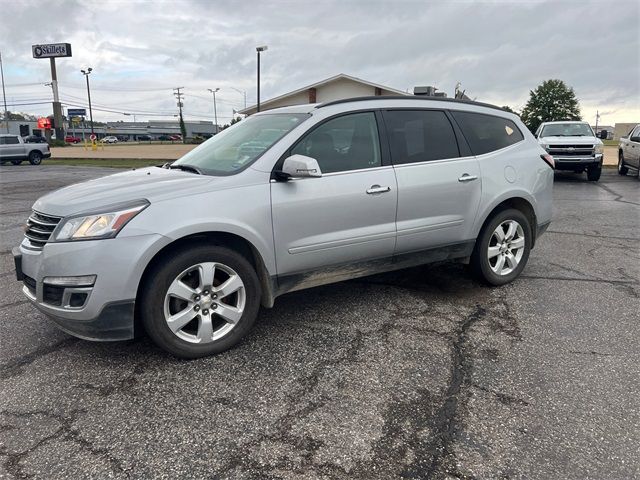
593 173
200 301
35 158
622 170
16 162
502 248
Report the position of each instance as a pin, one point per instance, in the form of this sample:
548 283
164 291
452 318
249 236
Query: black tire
622 170
480 266
35 158
16 162
153 293
593 173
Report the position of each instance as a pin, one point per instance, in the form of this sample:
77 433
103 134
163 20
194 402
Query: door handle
467 178
377 189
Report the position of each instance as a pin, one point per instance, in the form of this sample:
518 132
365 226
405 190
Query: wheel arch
219 238
518 203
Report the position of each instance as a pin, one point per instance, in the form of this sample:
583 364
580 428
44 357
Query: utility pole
244 93
178 94
215 110
57 106
4 96
86 74
597 118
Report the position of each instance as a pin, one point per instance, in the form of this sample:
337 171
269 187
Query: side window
636 133
486 133
420 136
349 142
9 140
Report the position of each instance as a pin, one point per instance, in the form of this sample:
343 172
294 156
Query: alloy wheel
506 247
204 302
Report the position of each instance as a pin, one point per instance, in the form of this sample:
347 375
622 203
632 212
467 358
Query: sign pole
4 96
57 108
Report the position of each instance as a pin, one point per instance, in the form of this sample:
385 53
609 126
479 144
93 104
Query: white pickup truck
629 152
573 146
14 149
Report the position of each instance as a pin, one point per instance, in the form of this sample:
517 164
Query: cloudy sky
141 50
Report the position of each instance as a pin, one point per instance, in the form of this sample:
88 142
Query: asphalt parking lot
421 373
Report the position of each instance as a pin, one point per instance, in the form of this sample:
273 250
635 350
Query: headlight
599 148
99 225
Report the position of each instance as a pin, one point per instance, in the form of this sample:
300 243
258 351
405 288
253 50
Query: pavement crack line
579 234
446 423
65 432
617 195
14 367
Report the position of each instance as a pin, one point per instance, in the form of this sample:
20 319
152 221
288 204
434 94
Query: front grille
30 283
571 150
39 229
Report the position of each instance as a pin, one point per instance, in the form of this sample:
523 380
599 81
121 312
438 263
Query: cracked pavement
420 373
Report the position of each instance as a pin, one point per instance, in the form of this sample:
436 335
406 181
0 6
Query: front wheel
622 170
594 173
502 249
35 158
200 301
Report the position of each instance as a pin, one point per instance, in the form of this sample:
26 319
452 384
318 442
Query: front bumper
105 310
577 163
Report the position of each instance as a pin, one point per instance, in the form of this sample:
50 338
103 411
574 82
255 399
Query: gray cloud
498 50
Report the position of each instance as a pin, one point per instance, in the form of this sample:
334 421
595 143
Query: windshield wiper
186 168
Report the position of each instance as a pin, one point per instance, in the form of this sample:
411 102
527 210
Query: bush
58 143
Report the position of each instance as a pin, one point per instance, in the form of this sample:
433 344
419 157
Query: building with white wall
335 88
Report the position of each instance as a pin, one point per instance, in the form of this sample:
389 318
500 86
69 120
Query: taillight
549 159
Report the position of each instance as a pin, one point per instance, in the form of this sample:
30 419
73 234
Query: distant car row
115 138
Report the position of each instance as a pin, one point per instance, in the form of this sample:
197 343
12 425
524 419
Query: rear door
439 184
11 147
632 149
347 215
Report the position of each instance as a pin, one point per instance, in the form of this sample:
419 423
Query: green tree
551 100
507 108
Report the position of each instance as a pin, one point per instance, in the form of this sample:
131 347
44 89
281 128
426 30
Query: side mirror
299 166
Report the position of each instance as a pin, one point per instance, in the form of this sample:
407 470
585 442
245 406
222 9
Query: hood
570 140
151 183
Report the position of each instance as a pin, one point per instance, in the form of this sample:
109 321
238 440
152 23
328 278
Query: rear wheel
35 158
593 173
622 170
502 249
200 301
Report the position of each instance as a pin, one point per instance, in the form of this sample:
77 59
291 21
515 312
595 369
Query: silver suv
285 200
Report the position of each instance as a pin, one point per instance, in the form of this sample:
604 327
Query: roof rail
410 97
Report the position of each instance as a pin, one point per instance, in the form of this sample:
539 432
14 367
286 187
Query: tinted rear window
487 133
420 135
9 140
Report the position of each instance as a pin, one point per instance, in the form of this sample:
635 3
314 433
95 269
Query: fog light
83 281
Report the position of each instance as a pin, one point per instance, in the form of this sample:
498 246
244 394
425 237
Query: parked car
164 138
15 150
629 152
72 139
345 189
574 147
144 138
110 139
175 138
122 138
35 139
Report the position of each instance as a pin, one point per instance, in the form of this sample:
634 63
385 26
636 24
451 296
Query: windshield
567 130
239 146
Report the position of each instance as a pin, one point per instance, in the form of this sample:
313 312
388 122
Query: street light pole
86 74
215 110
263 48
242 92
4 96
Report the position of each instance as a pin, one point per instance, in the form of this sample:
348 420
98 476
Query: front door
347 215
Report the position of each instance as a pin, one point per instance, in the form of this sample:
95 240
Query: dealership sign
51 50
76 112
